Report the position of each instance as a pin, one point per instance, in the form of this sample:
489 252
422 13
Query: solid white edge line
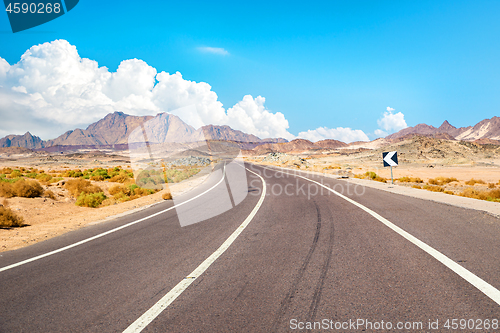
110 231
467 275
165 301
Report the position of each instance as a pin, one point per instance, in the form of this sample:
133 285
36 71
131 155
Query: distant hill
485 129
296 146
115 128
25 141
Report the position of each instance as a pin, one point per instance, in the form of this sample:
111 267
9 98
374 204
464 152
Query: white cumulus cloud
390 122
214 50
344 134
52 85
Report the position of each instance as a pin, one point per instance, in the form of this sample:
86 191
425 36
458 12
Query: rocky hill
115 130
296 146
486 129
25 141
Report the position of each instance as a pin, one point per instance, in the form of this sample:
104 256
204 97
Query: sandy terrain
47 218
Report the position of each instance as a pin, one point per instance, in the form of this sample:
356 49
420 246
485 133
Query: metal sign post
390 159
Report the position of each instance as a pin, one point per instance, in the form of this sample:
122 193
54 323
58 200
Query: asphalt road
306 256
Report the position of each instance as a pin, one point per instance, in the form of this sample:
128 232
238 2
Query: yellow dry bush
27 188
472 193
332 167
79 185
167 196
417 186
442 180
9 219
6 190
406 179
119 178
491 185
15 174
434 188
474 182
92 200
119 189
43 177
50 194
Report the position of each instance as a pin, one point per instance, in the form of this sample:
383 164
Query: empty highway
296 257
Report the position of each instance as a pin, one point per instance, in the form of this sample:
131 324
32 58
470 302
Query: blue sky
322 64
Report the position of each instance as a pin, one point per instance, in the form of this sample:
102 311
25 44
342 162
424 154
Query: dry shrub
15 174
6 171
491 185
9 219
434 188
474 182
119 178
77 186
113 190
50 194
121 197
417 186
166 196
442 180
331 167
449 192
27 188
493 195
43 177
373 176
406 179
92 200
141 192
6 190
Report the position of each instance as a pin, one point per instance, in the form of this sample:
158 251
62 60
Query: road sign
390 158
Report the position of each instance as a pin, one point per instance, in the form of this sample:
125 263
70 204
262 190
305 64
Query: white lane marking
109 231
165 301
467 275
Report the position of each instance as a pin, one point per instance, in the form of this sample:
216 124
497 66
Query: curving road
307 255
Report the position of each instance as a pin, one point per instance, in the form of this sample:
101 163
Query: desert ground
45 217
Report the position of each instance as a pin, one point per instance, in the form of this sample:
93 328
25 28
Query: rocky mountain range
485 129
296 146
115 130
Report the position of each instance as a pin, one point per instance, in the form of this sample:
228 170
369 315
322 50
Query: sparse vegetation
442 180
493 195
9 219
166 196
332 167
78 186
473 182
92 200
21 188
410 180
491 185
373 176
49 194
123 193
434 188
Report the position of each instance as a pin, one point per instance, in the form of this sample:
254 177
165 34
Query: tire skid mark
324 270
285 303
